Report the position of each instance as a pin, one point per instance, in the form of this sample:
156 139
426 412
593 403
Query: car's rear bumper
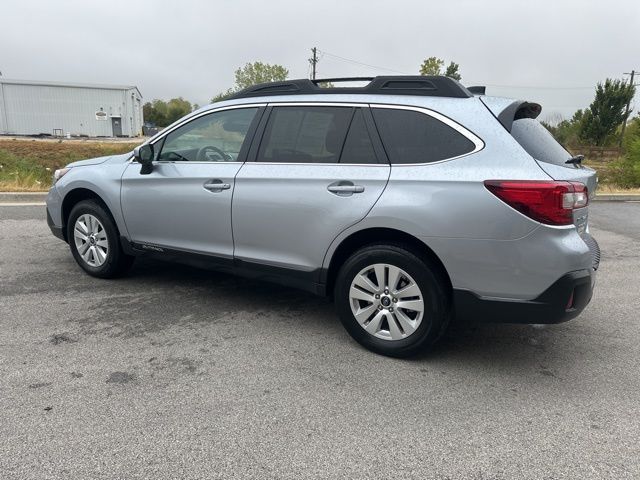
562 301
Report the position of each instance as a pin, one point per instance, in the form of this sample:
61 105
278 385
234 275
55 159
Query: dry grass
28 164
605 189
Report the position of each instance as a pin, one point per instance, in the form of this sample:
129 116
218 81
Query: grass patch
28 165
614 189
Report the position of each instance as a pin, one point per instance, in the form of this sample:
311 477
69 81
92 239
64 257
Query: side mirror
144 155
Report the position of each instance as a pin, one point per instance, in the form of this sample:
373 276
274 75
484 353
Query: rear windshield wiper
575 160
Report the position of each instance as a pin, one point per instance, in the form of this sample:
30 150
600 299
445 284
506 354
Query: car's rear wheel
94 241
391 300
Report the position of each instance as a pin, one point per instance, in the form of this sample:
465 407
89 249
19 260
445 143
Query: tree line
599 124
161 113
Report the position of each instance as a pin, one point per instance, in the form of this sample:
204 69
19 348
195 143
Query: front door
185 202
316 172
116 125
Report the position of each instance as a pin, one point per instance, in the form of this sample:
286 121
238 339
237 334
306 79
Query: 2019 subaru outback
409 200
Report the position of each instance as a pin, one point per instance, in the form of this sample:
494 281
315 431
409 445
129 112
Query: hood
98 160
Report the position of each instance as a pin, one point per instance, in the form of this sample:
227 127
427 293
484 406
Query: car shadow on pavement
479 344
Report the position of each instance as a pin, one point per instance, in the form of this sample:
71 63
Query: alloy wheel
91 240
386 301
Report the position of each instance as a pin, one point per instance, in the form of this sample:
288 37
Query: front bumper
563 300
57 231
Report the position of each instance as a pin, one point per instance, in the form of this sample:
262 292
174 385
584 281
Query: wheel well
72 198
371 236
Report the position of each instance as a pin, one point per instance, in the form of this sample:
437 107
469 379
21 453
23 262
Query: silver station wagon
410 200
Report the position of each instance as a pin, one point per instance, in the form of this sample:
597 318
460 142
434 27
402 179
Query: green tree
452 71
252 74
223 95
155 112
434 66
258 72
606 113
162 113
177 108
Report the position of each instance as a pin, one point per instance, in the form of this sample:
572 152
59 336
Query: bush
631 133
625 172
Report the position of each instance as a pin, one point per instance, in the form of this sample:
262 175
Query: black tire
116 262
432 285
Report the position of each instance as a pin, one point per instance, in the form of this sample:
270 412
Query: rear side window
538 142
414 137
305 134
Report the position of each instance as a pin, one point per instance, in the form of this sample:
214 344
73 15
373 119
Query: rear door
317 170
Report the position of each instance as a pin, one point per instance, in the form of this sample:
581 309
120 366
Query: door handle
345 189
216 185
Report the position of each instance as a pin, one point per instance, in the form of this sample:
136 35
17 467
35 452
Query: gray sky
548 51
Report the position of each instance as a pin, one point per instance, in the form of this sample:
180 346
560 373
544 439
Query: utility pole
313 61
626 111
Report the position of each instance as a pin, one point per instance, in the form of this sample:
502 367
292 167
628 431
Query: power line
530 87
362 63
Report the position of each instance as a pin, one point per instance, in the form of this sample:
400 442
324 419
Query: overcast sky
550 51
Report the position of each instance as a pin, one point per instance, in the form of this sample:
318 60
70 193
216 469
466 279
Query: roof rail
431 86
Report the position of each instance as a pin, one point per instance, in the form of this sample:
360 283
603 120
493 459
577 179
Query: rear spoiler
478 90
507 110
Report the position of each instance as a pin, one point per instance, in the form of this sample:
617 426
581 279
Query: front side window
217 137
414 137
305 134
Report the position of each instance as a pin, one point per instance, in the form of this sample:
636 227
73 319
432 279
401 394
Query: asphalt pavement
173 372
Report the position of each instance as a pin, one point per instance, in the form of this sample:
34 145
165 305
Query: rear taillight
548 202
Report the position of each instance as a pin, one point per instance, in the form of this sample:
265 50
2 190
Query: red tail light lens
548 202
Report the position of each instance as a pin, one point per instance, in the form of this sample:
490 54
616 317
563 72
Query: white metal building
53 108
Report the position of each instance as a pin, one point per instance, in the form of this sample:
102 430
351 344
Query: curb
617 197
22 197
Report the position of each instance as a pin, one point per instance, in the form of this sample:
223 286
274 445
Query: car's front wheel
391 300
94 241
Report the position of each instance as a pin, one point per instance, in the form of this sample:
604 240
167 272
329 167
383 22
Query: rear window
538 142
414 137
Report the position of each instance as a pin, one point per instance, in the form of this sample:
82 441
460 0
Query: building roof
68 84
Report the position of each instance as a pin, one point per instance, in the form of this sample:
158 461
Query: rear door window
414 137
305 134
538 142
358 148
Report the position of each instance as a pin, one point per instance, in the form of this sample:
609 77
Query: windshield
538 142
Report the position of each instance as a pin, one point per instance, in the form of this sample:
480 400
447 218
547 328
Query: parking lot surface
173 372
